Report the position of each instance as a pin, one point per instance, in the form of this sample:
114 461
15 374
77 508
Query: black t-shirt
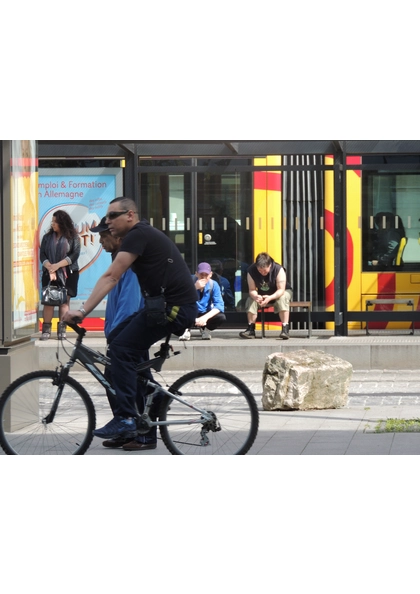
266 285
154 248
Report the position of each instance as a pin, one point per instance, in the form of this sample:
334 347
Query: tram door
224 228
207 213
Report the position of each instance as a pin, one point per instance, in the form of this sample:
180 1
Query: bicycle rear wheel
234 423
24 406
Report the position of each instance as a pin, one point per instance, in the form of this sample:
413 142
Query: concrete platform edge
228 351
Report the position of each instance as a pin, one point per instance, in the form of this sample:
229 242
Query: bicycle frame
88 358
159 390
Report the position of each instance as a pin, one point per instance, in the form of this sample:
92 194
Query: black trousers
215 321
129 345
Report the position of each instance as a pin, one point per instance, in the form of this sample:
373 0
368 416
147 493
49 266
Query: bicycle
50 412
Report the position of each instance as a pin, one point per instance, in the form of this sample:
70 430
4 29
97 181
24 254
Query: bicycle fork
59 382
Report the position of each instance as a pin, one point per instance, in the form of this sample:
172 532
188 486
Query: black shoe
249 333
136 446
284 335
117 442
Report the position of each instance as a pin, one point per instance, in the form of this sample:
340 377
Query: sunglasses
113 214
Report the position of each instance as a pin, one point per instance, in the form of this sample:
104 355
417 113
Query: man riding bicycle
160 270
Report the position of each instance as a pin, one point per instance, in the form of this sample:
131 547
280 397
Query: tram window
391 221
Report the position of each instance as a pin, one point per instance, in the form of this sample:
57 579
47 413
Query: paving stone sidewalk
373 396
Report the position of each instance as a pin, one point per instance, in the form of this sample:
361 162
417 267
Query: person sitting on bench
267 286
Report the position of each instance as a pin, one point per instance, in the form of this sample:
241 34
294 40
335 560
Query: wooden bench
306 305
407 302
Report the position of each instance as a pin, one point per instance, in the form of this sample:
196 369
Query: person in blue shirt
209 303
124 300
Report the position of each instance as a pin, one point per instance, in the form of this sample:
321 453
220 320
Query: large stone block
305 380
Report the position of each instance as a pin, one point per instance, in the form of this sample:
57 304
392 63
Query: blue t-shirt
123 300
209 297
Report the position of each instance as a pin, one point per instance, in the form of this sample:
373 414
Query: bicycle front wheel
27 426
234 415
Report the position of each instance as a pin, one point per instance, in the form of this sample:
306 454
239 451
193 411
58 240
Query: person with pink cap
210 303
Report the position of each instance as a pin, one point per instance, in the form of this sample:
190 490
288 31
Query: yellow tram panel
268 211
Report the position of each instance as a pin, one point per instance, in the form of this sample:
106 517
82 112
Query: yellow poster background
24 208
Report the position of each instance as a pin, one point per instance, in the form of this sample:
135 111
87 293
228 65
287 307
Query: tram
293 219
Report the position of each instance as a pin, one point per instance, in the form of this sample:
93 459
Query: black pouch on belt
156 310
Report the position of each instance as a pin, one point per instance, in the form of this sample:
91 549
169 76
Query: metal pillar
131 178
340 242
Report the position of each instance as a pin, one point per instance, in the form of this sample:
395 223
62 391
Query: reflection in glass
387 235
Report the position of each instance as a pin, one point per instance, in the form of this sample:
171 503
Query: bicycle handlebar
78 329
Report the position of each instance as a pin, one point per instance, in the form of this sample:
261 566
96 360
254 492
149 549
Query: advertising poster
23 191
84 194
